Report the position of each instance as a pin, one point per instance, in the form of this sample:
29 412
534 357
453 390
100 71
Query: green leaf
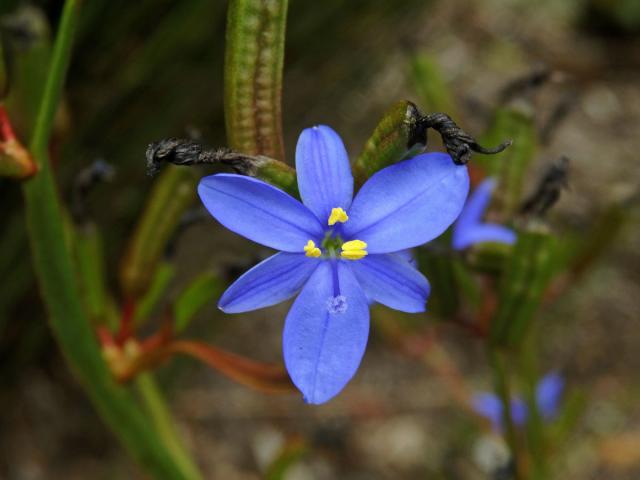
489 257
430 85
279 174
526 277
439 269
164 273
196 295
89 263
28 68
171 196
54 269
510 166
163 421
394 139
253 76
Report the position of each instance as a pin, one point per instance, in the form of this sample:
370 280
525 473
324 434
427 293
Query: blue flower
469 229
548 394
338 253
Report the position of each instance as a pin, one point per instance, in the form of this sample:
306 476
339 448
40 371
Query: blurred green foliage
152 69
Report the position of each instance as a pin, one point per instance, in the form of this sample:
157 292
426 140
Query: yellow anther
338 215
354 245
354 250
311 250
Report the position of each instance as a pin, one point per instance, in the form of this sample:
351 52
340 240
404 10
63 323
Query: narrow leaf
164 273
253 76
527 275
200 292
162 420
279 174
430 85
89 263
511 165
172 194
55 273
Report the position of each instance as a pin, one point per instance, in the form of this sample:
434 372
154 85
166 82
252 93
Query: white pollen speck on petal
337 305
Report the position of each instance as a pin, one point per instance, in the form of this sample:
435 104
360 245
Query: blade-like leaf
172 194
526 277
253 76
509 166
196 295
54 269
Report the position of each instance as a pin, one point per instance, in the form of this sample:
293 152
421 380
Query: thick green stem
253 76
54 269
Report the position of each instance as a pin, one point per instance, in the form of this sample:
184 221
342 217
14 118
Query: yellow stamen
354 250
337 215
354 245
311 250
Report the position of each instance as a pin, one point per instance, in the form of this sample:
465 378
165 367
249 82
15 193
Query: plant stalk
55 272
501 381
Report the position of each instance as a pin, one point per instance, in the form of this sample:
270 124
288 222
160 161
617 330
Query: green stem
165 426
501 381
535 425
54 269
253 76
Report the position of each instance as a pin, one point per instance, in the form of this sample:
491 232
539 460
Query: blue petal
259 212
272 281
519 411
464 237
409 256
469 230
548 394
326 331
324 173
408 203
389 279
489 406
478 201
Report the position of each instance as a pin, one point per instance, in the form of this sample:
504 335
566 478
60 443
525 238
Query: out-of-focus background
152 69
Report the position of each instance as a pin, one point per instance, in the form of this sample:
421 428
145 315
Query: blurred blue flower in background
469 229
548 394
339 253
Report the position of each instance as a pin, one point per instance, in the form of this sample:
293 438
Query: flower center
354 250
351 250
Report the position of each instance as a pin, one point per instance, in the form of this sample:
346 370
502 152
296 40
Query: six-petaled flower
338 252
